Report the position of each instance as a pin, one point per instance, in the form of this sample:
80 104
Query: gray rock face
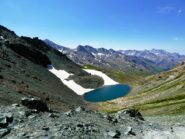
34 103
23 61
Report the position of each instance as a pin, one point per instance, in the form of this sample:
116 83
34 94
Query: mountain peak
80 48
6 33
56 46
4 28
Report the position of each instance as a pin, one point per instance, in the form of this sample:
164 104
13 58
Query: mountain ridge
151 61
158 56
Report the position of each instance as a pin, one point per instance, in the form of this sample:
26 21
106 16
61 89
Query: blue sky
118 24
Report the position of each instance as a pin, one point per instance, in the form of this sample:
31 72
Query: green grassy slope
160 94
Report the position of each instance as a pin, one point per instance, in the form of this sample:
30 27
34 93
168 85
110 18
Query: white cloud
178 39
165 9
180 11
169 9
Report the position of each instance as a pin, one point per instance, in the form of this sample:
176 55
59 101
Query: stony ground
19 122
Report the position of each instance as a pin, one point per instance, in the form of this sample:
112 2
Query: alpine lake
107 93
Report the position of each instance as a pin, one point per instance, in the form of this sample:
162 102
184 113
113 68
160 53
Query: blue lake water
107 93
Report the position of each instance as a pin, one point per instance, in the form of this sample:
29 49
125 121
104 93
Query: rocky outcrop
29 53
34 103
133 113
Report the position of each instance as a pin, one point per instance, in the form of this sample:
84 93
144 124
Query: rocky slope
23 71
19 122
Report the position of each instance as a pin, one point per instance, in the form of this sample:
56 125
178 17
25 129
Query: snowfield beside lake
63 76
107 80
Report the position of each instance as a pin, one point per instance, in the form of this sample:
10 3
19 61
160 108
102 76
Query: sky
117 24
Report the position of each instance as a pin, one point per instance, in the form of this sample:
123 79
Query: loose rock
129 131
116 134
30 123
4 132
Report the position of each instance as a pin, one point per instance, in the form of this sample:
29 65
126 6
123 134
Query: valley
151 94
92 69
52 75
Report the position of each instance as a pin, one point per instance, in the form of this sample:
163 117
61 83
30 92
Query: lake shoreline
106 93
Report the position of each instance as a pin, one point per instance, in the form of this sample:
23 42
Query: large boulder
5 119
77 110
132 113
116 134
34 103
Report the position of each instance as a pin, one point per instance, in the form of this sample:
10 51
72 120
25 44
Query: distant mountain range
151 61
160 57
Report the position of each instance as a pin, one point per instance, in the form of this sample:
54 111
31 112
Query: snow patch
93 54
131 53
100 54
156 53
63 76
61 50
107 80
1 37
